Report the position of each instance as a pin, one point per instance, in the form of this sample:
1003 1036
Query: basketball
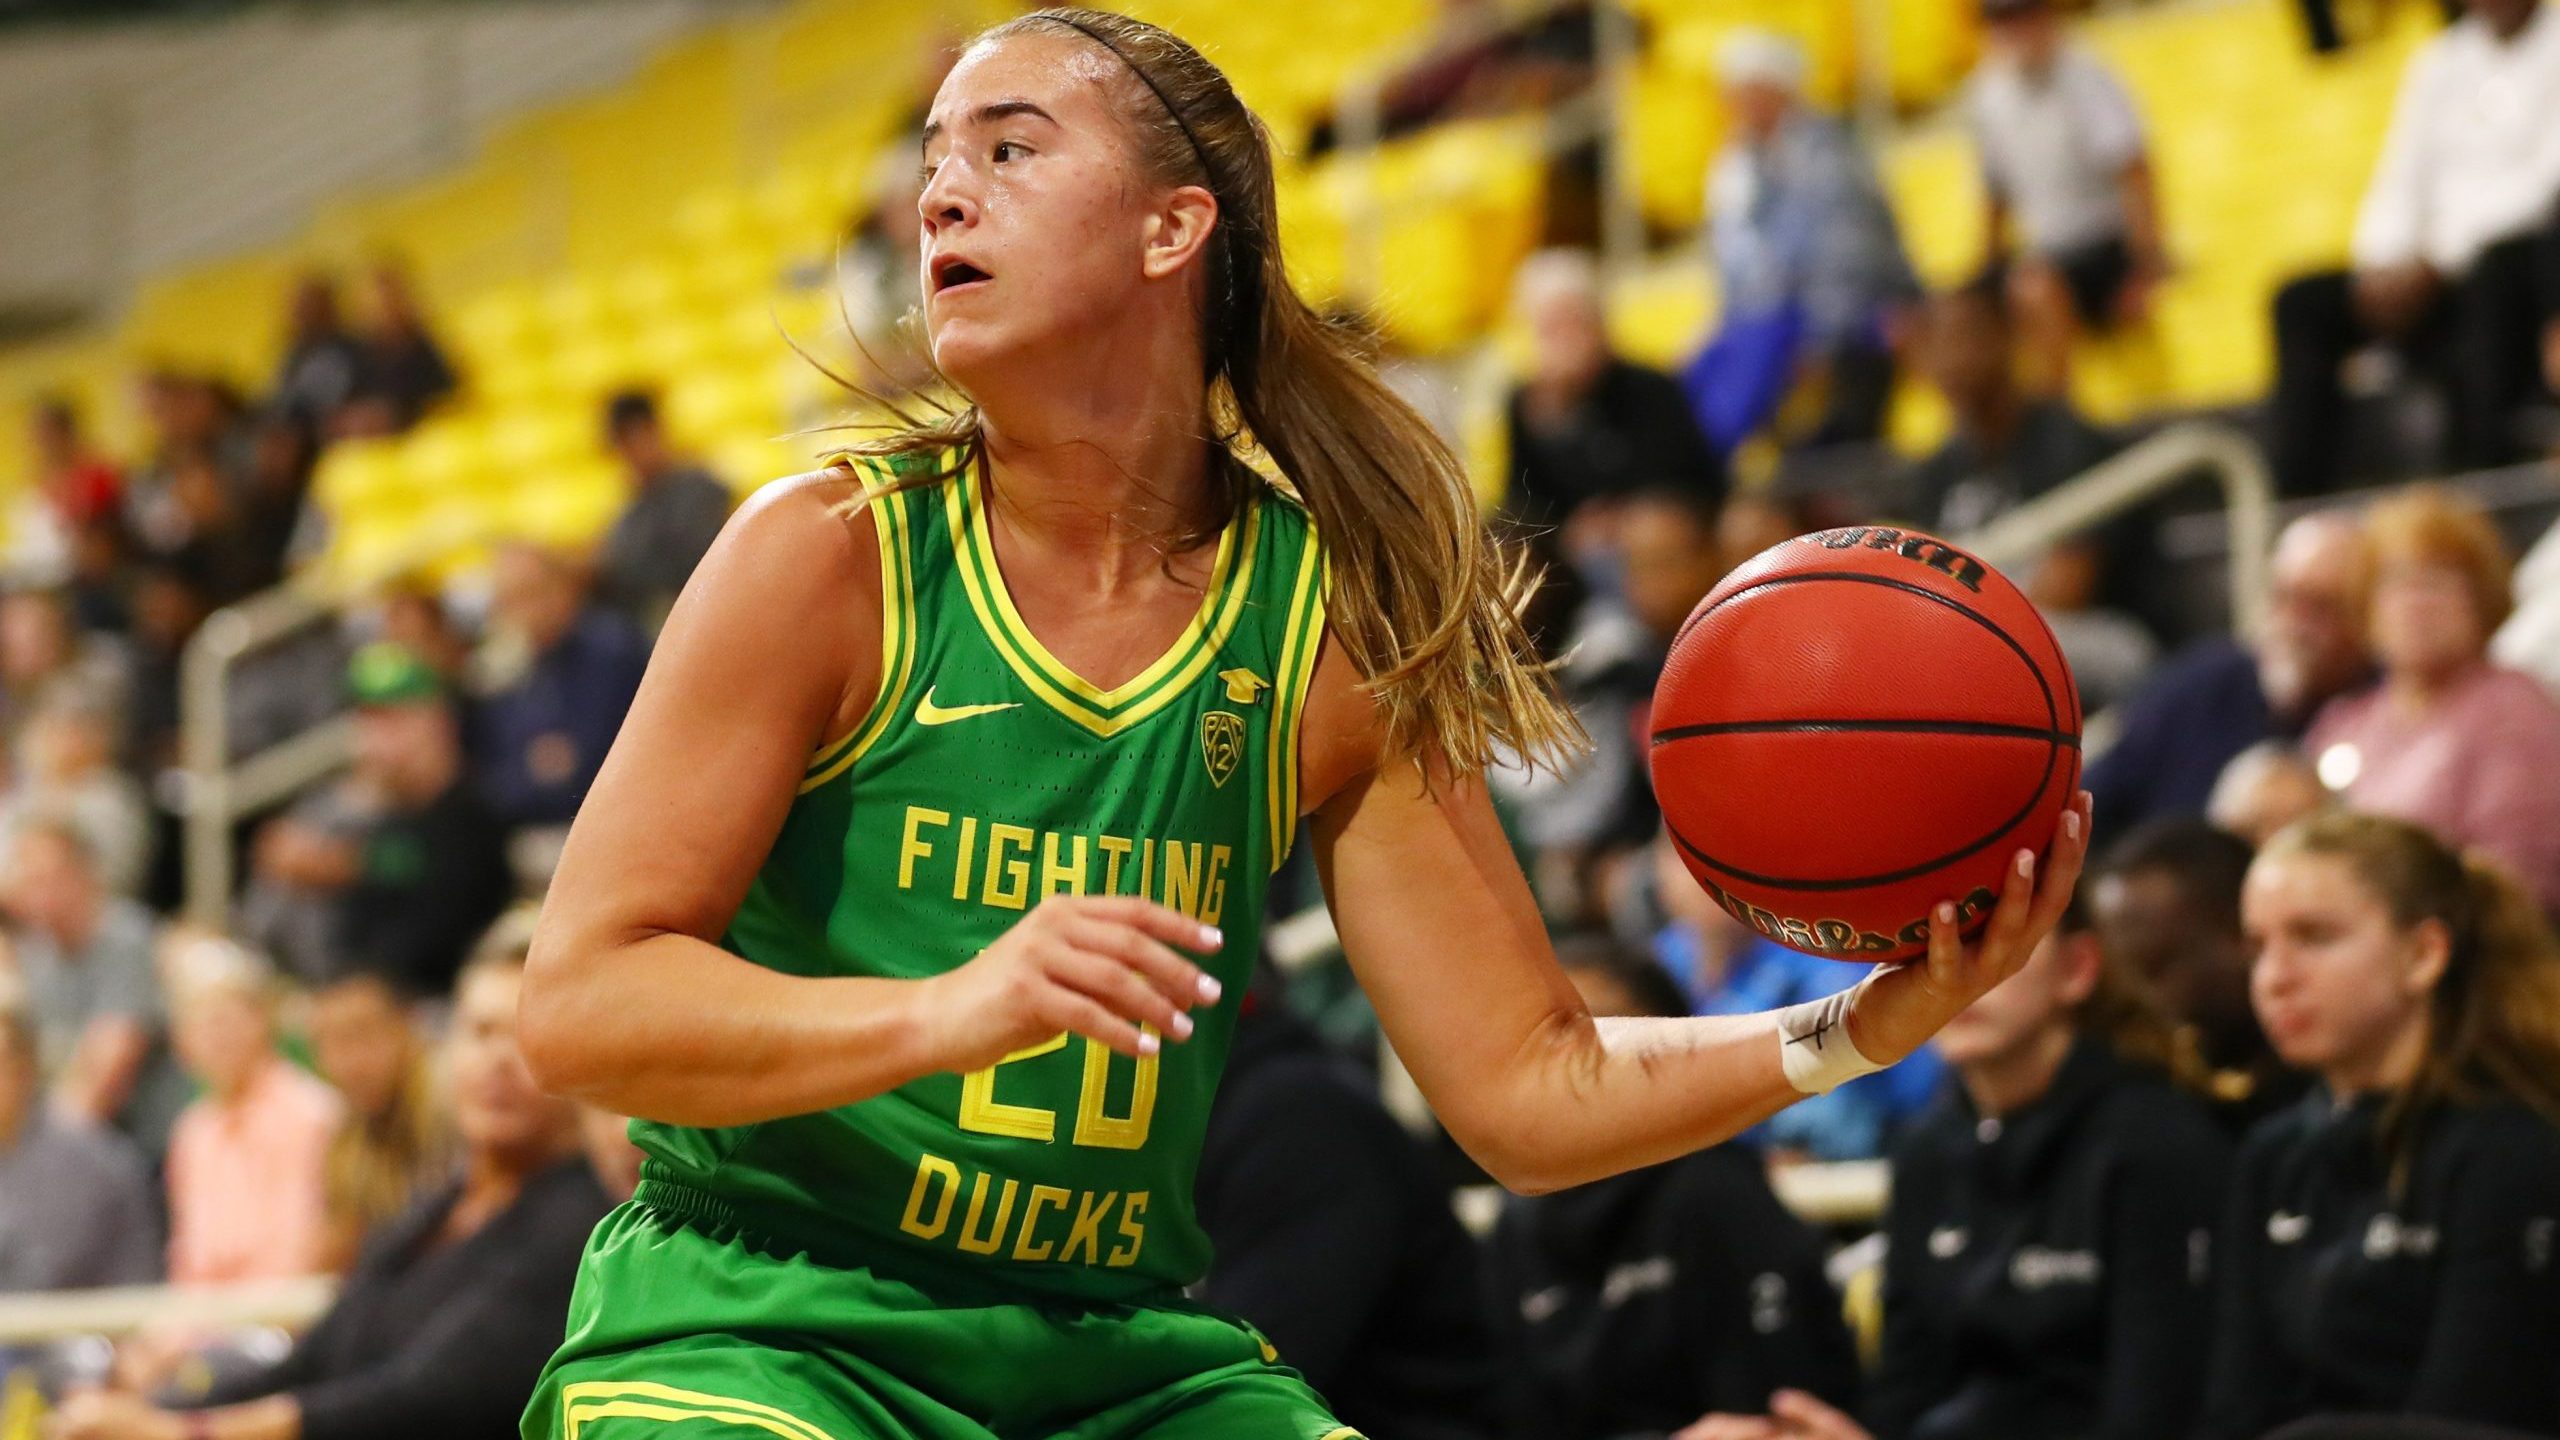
1855 725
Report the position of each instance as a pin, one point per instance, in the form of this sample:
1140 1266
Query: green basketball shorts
683 1332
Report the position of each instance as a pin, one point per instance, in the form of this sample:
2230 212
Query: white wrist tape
1814 1045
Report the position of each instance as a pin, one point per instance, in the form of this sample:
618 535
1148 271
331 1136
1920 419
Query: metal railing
2142 473
217 790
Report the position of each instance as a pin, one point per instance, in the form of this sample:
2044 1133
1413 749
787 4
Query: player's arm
629 1002
1441 929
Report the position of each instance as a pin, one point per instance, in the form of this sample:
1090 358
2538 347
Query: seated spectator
2045 1269
74 489
560 675
2065 169
86 959
79 1212
193 420
1335 1238
1809 260
1636 1304
1724 967
2167 906
44 659
2389 1248
1587 428
439 1332
168 605
2109 651
2009 444
248 1161
392 1142
1477 62
404 371
1582 820
2219 697
2449 739
2265 788
2444 250
675 512
323 363
269 531
414 616
398 867
66 768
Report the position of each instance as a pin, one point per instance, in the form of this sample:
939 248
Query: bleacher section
653 232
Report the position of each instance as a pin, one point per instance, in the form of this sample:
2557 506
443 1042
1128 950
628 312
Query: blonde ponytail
1422 599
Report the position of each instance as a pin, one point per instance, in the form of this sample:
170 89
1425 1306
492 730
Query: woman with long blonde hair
2393 1246
912 908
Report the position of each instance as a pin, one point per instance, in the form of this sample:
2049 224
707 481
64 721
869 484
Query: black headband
1134 68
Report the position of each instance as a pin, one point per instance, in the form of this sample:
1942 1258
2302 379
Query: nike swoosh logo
928 713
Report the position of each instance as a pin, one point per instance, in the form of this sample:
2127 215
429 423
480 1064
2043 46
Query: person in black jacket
453 1306
2393 1244
1335 1238
2050 1227
1634 1305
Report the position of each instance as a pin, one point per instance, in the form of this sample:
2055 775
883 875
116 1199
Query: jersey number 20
982 1113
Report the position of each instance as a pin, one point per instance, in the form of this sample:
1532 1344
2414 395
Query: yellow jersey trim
601 1400
1105 713
1304 638
897 634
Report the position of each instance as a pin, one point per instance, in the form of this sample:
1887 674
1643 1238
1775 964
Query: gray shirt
75 1211
2055 146
657 540
111 975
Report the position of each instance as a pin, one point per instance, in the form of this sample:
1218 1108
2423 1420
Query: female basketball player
904 906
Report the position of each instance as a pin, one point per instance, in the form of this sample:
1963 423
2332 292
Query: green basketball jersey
986 777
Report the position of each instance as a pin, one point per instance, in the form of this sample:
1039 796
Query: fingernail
1148 1044
1946 913
2071 824
1210 989
1211 937
1181 1026
2026 862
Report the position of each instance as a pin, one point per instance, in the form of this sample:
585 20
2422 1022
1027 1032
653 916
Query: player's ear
1178 232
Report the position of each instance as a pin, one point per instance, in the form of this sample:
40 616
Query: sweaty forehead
1064 73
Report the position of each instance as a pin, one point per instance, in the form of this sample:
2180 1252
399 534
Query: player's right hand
1097 965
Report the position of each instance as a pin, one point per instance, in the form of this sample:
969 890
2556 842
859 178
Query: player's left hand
1793 1415
1897 1011
112 1415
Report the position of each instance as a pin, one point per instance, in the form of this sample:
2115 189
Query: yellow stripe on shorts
604 1400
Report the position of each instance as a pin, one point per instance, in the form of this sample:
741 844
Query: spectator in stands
248 1161
1588 428
1335 1238
1580 822
66 768
561 674
2265 788
2072 217
675 512
404 371
269 519
2109 651
45 660
79 1211
86 958
192 418
2167 906
2050 1224
2444 249
414 616
1810 262
401 864
445 1321
323 362
2390 1245
1726 968
74 488
168 604
2009 443
1639 1303
1476 62
392 1142
2449 739
606 1139
2219 697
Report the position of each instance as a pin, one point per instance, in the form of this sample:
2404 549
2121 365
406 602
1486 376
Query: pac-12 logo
1221 743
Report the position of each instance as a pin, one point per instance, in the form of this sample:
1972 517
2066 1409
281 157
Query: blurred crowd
2270 1132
